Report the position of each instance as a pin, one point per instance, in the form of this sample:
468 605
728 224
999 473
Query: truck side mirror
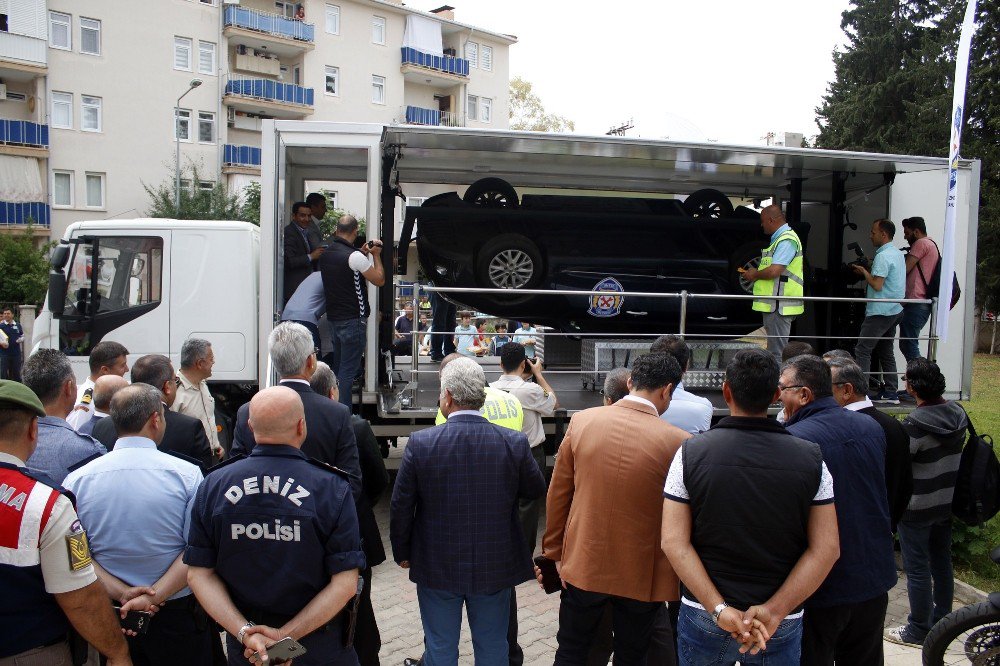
57 280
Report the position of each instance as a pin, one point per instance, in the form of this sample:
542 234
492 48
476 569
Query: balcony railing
446 64
416 115
23 133
240 156
272 91
23 213
271 24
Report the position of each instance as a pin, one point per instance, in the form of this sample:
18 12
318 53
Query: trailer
232 296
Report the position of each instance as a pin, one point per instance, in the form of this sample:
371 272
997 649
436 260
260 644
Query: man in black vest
744 534
346 273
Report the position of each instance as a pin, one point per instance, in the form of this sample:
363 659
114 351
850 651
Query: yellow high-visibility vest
789 283
501 408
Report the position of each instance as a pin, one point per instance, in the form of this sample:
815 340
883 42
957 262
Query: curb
967 594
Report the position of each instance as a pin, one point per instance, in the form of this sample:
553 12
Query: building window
4 27
378 89
60 31
485 109
472 108
90 36
184 124
185 185
472 54
486 59
62 110
95 190
332 80
333 19
378 30
62 189
286 9
206 58
206 127
208 2
206 185
182 53
90 113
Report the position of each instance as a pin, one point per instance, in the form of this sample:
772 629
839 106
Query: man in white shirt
687 411
193 397
537 400
106 358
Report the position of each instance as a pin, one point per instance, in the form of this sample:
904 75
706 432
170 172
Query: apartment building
87 117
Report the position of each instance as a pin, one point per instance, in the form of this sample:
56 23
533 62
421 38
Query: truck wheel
491 193
745 256
510 261
708 204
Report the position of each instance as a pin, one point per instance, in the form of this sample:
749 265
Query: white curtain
423 34
237 183
20 180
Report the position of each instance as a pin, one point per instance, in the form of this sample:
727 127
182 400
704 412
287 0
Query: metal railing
441 63
242 156
271 24
272 91
23 133
25 213
416 115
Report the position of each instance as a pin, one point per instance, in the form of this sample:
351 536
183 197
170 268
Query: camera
861 259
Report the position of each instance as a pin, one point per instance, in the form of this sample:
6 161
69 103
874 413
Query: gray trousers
880 331
777 327
529 510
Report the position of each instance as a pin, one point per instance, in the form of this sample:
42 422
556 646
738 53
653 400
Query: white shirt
534 402
360 262
642 401
82 411
860 404
689 412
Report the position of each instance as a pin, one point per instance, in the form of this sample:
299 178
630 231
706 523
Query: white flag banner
957 115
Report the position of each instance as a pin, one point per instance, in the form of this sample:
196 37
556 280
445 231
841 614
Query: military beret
19 395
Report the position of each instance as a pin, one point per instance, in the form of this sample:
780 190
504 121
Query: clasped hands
752 627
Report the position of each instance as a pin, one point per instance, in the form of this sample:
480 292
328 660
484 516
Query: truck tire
491 193
708 204
745 256
510 261
981 621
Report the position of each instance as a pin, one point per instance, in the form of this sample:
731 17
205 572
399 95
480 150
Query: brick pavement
395 601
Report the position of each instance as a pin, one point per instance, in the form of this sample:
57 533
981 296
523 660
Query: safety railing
23 133
271 24
240 156
272 91
441 63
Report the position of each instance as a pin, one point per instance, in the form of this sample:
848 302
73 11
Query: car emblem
607 305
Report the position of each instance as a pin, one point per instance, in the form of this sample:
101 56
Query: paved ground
395 600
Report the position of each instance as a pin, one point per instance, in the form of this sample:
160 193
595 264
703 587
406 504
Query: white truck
152 283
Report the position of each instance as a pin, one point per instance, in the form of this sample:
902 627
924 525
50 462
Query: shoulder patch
330 468
87 397
78 549
84 462
227 461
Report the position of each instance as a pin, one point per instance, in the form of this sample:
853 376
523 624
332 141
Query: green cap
19 395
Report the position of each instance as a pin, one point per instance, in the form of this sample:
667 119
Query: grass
972 545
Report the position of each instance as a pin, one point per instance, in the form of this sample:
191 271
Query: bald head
277 417
771 218
448 359
105 388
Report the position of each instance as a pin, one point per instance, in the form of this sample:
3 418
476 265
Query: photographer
346 273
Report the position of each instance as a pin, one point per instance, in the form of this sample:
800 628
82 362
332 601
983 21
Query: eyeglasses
789 388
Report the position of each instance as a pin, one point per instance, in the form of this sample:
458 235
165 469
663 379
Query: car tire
745 256
708 204
491 193
510 261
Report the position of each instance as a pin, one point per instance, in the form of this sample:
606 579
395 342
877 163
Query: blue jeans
441 616
348 337
926 549
915 315
700 642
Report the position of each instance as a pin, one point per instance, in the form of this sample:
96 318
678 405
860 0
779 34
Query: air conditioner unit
16 97
3 92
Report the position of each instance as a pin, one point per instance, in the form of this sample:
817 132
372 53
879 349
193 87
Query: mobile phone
551 581
137 621
285 649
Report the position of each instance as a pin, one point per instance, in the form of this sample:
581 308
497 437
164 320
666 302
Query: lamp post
177 138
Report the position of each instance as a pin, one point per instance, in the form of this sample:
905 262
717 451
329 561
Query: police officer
10 356
106 358
501 408
780 273
47 578
274 548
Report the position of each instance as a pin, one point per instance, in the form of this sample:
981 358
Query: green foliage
527 112
208 204
251 204
329 222
25 276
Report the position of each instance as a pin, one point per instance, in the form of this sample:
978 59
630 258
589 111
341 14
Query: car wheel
746 256
491 193
708 204
510 261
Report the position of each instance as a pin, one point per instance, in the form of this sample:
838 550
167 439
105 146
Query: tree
251 204
25 276
527 112
214 203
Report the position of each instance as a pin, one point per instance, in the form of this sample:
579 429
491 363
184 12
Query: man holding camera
346 273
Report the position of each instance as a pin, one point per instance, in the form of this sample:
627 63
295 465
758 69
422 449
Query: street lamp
177 137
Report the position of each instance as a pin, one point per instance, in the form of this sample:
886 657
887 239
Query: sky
719 70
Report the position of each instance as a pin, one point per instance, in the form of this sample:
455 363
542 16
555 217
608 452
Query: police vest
346 290
500 408
26 500
789 283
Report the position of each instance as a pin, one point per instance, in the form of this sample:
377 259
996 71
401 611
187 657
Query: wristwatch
718 611
243 631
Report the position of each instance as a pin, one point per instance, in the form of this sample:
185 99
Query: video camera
861 259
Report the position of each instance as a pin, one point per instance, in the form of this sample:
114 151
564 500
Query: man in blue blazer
454 521
329 433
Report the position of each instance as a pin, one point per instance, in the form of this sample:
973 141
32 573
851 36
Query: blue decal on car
609 304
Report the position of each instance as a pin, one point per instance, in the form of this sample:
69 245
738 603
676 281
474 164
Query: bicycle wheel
970 635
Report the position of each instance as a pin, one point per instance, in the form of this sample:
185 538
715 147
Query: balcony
24 138
22 58
240 159
269 98
432 70
24 213
255 29
416 115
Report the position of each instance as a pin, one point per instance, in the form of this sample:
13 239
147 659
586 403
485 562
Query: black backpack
934 284
977 489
